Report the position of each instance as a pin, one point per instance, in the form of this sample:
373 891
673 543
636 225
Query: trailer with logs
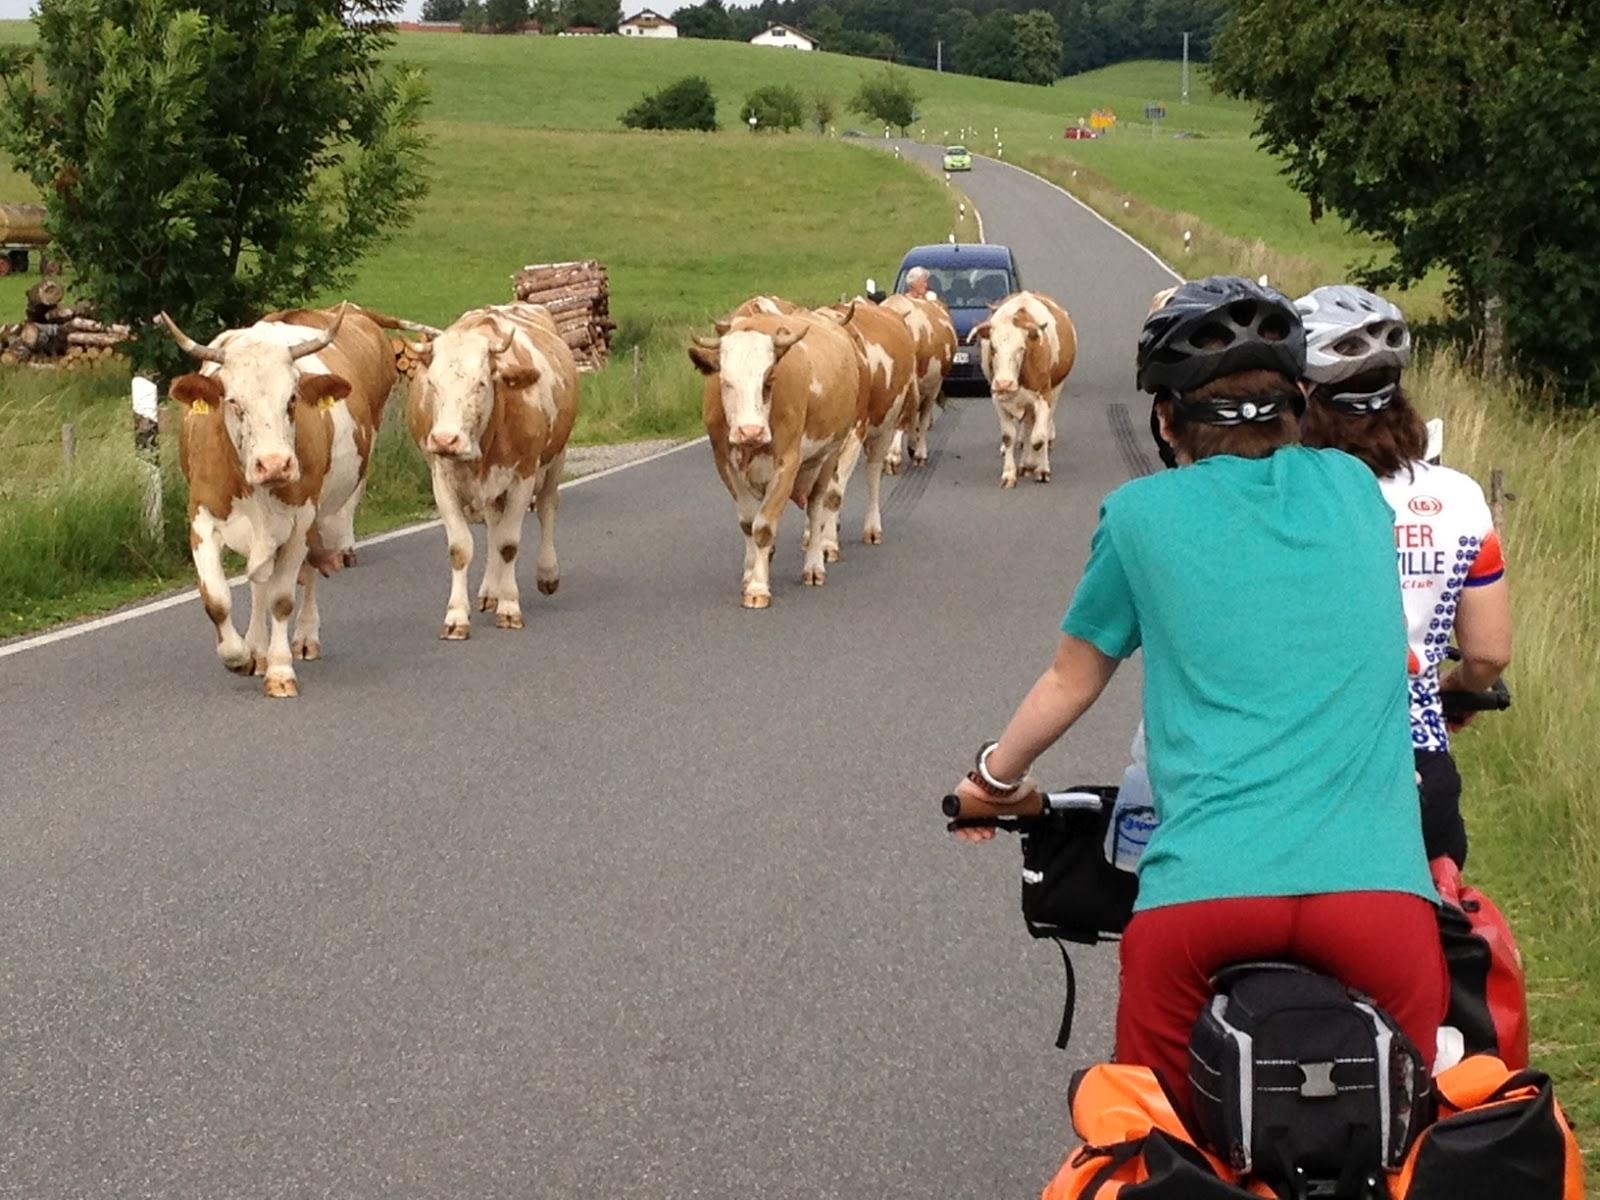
22 232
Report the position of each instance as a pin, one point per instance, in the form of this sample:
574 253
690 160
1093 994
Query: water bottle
1133 816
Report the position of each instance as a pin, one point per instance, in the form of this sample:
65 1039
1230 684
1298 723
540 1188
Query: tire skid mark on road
911 486
1128 441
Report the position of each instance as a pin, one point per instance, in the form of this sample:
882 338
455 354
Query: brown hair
1252 439
1386 440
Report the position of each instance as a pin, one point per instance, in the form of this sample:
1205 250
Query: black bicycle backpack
1304 1083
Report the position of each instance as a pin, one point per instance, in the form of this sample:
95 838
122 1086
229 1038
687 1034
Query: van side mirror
872 286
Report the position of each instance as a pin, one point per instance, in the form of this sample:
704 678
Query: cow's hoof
240 664
281 687
1043 476
814 576
1008 481
547 587
508 620
486 603
873 537
830 554
920 460
349 558
455 631
307 648
891 466
753 600
258 663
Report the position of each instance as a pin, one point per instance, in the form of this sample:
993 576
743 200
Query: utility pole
1186 66
939 57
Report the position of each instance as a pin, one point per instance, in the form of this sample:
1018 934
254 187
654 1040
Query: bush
822 111
505 16
888 98
687 104
776 106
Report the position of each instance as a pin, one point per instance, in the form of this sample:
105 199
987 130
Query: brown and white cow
886 356
936 343
276 439
1029 347
782 395
492 414
772 306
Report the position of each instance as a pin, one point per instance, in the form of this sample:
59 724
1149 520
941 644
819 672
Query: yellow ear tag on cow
200 408
327 401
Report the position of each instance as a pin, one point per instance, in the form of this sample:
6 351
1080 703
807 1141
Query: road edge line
1093 212
64 633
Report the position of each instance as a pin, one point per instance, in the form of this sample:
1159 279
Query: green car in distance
957 158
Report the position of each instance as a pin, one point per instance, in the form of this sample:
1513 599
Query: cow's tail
385 321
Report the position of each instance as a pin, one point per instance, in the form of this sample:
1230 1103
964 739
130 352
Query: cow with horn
276 440
492 415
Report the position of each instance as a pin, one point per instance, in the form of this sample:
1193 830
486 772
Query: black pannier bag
1304 1083
1070 892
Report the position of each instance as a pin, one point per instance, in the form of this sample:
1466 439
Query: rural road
647 900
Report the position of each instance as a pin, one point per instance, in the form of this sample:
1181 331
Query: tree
708 20
472 16
214 160
1037 48
827 27
887 97
601 14
952 28
776 106
687 104
547 15
443 10
1467 138
504 16
990 47
822 110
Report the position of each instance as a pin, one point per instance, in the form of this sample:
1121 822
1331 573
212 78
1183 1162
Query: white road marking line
1154 257
165 602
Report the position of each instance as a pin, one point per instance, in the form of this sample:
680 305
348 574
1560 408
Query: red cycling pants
1385 944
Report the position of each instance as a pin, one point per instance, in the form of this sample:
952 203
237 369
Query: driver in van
917 280
1258 581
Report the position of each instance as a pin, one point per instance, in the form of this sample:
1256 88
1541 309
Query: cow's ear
979 332
422 351
517 376
707 361
197 393
323 389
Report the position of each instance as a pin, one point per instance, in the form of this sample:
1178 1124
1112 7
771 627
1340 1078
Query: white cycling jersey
1444 540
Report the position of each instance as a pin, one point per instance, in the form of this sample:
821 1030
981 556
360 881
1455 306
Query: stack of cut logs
58 333
578 296
408 355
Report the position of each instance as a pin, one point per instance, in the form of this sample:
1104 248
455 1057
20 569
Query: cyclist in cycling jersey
1258 580
1452 576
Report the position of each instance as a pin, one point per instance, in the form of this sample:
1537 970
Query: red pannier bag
1135 1147
1500 1136
1488 991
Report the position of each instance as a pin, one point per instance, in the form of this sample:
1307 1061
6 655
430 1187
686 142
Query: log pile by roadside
408 354
55 333
578 296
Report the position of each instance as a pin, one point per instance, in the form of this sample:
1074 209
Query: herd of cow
280 421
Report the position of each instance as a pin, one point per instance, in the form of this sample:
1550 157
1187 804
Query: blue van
969 279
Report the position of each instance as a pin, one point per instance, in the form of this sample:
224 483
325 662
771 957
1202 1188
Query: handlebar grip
1030 805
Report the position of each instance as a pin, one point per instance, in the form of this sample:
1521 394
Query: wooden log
44 339
100 341
46 294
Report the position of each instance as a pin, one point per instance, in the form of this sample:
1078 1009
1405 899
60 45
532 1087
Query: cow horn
707 343
849 314
786 337
723 327
495 351
315 345
188 345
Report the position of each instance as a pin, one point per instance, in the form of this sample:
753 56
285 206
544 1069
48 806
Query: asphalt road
647 900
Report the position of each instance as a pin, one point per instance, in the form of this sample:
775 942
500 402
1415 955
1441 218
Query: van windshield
966 287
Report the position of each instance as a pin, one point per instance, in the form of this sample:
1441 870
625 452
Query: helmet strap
1163 447
1364 402
1225 411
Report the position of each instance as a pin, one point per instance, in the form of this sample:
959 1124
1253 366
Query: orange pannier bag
1131 1135
1500 1136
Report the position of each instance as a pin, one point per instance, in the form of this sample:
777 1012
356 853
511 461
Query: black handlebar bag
1070 893
1304 1083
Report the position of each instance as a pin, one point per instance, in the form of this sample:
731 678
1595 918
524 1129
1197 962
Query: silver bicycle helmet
1350 331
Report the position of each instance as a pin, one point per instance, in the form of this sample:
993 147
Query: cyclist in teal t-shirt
1259 583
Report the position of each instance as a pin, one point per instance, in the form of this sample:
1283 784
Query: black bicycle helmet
1217 326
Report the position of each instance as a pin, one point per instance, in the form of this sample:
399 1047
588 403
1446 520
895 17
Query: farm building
649 24
783 35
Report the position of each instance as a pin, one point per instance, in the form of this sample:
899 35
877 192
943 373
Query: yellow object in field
23 225
1102 119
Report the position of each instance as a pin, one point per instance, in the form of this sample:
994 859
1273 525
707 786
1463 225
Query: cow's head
465 368
256 386
745 359
1008 342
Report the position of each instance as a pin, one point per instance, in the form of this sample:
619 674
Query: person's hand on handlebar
970 793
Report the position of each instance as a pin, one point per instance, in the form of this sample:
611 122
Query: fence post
636 377
69 445
1497 500
146 428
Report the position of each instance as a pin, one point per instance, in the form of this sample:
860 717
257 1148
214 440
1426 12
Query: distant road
647 900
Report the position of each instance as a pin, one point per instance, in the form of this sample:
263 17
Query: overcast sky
10 9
